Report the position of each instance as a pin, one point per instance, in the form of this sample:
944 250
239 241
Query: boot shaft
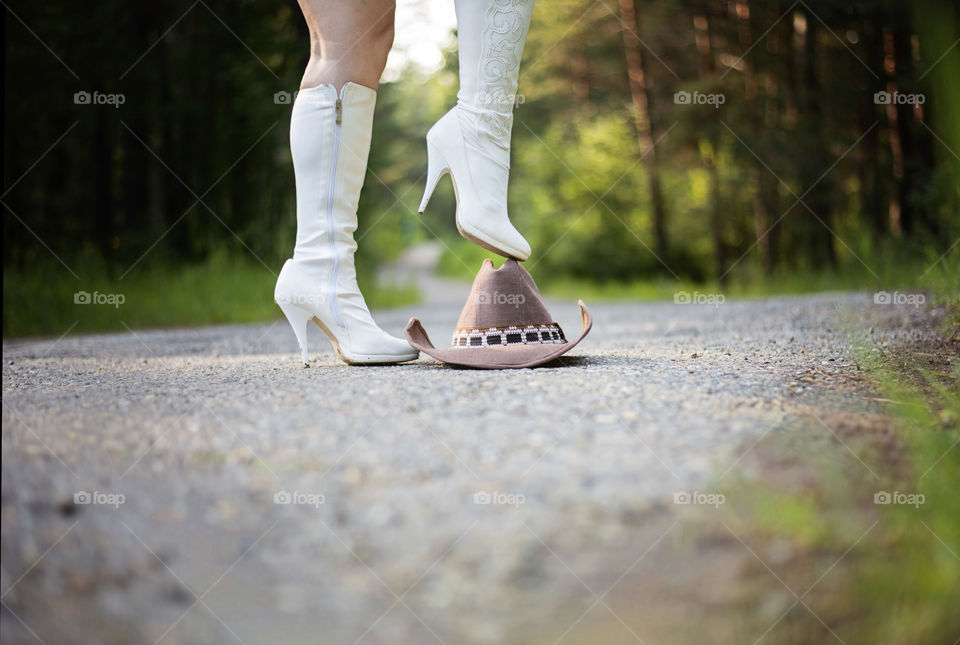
490 39
329 143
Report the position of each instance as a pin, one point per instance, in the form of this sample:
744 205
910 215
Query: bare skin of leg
349 41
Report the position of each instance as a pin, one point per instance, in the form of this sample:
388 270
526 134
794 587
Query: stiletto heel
329 143
479 185
298 319
473 139
437 167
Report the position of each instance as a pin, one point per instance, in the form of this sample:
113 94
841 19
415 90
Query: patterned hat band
534 334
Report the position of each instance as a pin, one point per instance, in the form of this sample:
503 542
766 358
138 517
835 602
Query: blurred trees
194 160
778 152
698 139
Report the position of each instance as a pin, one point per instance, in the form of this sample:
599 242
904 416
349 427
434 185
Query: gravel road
427 504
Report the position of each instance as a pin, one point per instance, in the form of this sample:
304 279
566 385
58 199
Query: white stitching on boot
502 43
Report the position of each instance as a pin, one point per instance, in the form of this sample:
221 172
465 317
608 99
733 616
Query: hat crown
503 297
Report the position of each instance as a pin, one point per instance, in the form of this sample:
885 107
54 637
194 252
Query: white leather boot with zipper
330 142
471 142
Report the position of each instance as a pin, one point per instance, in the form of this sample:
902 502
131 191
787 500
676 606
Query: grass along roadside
40 301
939 276
838 526
219 291
859 537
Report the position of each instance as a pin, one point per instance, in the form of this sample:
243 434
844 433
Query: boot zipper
334 160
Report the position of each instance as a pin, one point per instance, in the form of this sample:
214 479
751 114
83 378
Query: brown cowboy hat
505 324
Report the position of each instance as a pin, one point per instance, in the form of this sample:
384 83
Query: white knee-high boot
472 141
330 142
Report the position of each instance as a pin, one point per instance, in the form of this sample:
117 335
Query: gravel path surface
431 504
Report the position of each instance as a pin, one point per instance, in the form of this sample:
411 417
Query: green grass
461 259
221 290
911 584
231 290
897 572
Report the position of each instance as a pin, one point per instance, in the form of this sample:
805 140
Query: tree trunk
818 228
893 128
760 176
868 159
102 202
706 67
641 92
777 46
903 73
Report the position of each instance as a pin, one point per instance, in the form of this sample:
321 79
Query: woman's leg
330 130
472 141
349 41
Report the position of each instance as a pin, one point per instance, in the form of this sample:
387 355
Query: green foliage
899 267
890 571
879 185
911 581
222 289
566 171
798 120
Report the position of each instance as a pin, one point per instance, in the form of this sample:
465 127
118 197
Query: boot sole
489 246
372 359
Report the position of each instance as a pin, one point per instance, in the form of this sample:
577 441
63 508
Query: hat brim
496 358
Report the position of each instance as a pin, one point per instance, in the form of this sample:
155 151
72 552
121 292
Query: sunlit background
733 146
424 30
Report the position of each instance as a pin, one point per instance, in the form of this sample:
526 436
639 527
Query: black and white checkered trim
536 334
